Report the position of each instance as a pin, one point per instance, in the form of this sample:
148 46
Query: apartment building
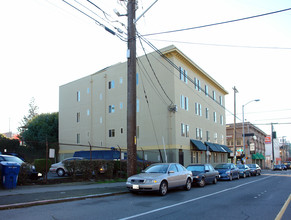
180 111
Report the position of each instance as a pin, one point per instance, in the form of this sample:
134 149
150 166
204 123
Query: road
260 197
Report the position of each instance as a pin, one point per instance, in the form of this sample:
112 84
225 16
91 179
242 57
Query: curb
51 201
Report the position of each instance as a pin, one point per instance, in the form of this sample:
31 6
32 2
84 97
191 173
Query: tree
32 112
42 129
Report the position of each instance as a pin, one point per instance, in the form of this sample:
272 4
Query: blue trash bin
9 174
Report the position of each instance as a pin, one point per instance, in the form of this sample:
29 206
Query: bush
100 169
24 174
40 166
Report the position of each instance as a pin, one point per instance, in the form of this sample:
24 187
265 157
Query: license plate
135 186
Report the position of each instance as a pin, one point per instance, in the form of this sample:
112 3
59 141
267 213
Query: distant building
254 142
179 108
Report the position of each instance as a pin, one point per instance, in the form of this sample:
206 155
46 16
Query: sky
47 43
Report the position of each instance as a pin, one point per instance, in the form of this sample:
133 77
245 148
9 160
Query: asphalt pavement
24 196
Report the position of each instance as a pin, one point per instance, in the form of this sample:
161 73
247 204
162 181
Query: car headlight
150 181
227 172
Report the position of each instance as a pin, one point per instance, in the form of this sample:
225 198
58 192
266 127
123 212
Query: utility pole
131 90
234 124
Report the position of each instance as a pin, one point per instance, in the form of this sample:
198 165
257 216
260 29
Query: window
137 105
206 90
221 119
207 113
121 105
78 96
186 103
197 134
78 116
185 76
100 96
120 80
88 112
182 103
214 95
199 86
181 74
198 109
112 133
215 137
100 120
196 83
121 130
187 130
111 84
88 90
207 136
111 108
137 79
214 117
182 130
78 138
220 100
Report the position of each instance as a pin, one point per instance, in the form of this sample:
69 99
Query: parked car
160 177
244 170
283 167
255 169
277 167
33 175
203 173
59 168
227 171
288 164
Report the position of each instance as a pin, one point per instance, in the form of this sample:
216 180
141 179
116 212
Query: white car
160 177
59 168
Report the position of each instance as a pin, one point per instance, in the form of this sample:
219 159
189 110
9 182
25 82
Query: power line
219 23
225 45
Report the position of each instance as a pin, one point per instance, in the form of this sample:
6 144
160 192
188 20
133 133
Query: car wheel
60 172
245 175
202 182
238 176
215 180
249 175
259 173
188 184
230 178
163 188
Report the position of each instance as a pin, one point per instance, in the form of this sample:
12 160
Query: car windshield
196 168
157 168
252 165
240 166
222 166
14 159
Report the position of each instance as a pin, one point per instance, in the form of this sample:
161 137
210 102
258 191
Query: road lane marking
283 209
191 200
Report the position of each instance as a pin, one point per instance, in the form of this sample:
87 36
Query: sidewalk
24 196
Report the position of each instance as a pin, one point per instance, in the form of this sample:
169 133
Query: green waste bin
9 174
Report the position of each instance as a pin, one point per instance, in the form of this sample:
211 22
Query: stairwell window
78 96
111 109
111 84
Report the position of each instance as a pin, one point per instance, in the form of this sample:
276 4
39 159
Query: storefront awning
226 148
258 156
212 147
220 148
198 145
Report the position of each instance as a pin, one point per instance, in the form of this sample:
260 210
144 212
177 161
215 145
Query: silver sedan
160 177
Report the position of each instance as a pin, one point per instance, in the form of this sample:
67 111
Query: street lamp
243 107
